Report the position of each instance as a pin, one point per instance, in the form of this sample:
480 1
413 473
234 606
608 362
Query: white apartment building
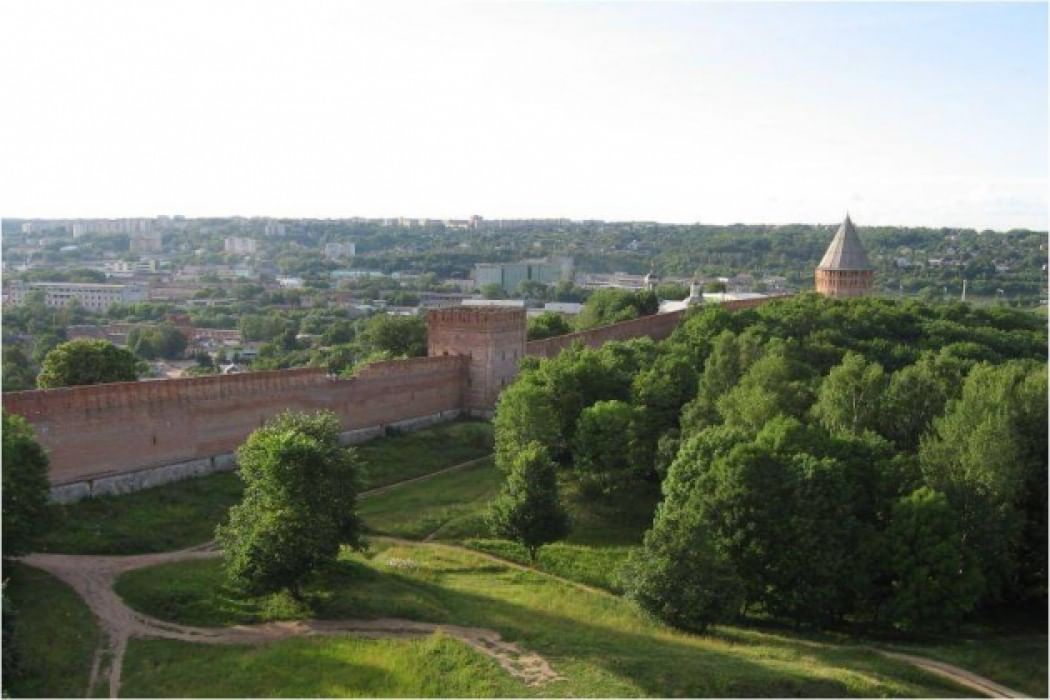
93 297
240 246
274 228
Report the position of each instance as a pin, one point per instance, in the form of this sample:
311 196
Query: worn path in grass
92 577
963 677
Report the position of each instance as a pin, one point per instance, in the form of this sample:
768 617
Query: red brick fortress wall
657 327
112 428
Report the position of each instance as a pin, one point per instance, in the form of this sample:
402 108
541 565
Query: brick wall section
113 428
657 327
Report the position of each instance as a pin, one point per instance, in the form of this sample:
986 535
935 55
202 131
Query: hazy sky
926 114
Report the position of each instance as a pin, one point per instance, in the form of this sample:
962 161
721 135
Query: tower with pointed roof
845 270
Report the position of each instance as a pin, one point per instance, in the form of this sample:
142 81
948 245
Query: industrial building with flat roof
93 297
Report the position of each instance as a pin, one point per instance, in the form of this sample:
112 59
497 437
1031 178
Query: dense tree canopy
80 362
605 306
869 460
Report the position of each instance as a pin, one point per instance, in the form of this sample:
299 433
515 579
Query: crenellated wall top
479 317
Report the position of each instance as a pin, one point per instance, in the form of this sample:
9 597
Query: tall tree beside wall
25 486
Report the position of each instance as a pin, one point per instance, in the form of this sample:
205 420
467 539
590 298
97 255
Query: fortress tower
845 270
494 341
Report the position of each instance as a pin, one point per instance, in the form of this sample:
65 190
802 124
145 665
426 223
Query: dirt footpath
92 577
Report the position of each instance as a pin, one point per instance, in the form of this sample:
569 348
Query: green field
409 455
185 513
54 635
341 667
600 643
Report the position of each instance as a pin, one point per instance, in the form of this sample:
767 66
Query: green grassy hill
600 643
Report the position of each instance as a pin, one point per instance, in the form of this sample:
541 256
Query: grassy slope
155 520
409 455
452 507
304 667
450 504
55 636
603 534
599 642
186 513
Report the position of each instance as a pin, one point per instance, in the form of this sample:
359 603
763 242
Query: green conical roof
845 251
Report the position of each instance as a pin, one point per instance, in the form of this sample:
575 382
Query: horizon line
515 218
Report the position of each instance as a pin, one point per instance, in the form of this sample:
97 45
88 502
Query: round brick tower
845 270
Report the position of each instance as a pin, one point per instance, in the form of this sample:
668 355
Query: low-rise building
93 297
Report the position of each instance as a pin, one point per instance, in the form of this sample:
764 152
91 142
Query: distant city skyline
907 114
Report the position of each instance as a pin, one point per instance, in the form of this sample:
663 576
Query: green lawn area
54 636
408 455
449 505
185 513
315 667
600 643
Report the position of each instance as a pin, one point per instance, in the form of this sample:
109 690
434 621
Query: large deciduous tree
600 447
525 414
935 579
680 576
25 486
164 340
80 362
548 325
298 506
397 335
978 455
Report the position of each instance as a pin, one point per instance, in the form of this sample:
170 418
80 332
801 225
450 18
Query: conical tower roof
845 251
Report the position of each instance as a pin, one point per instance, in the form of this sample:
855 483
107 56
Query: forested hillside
821 462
